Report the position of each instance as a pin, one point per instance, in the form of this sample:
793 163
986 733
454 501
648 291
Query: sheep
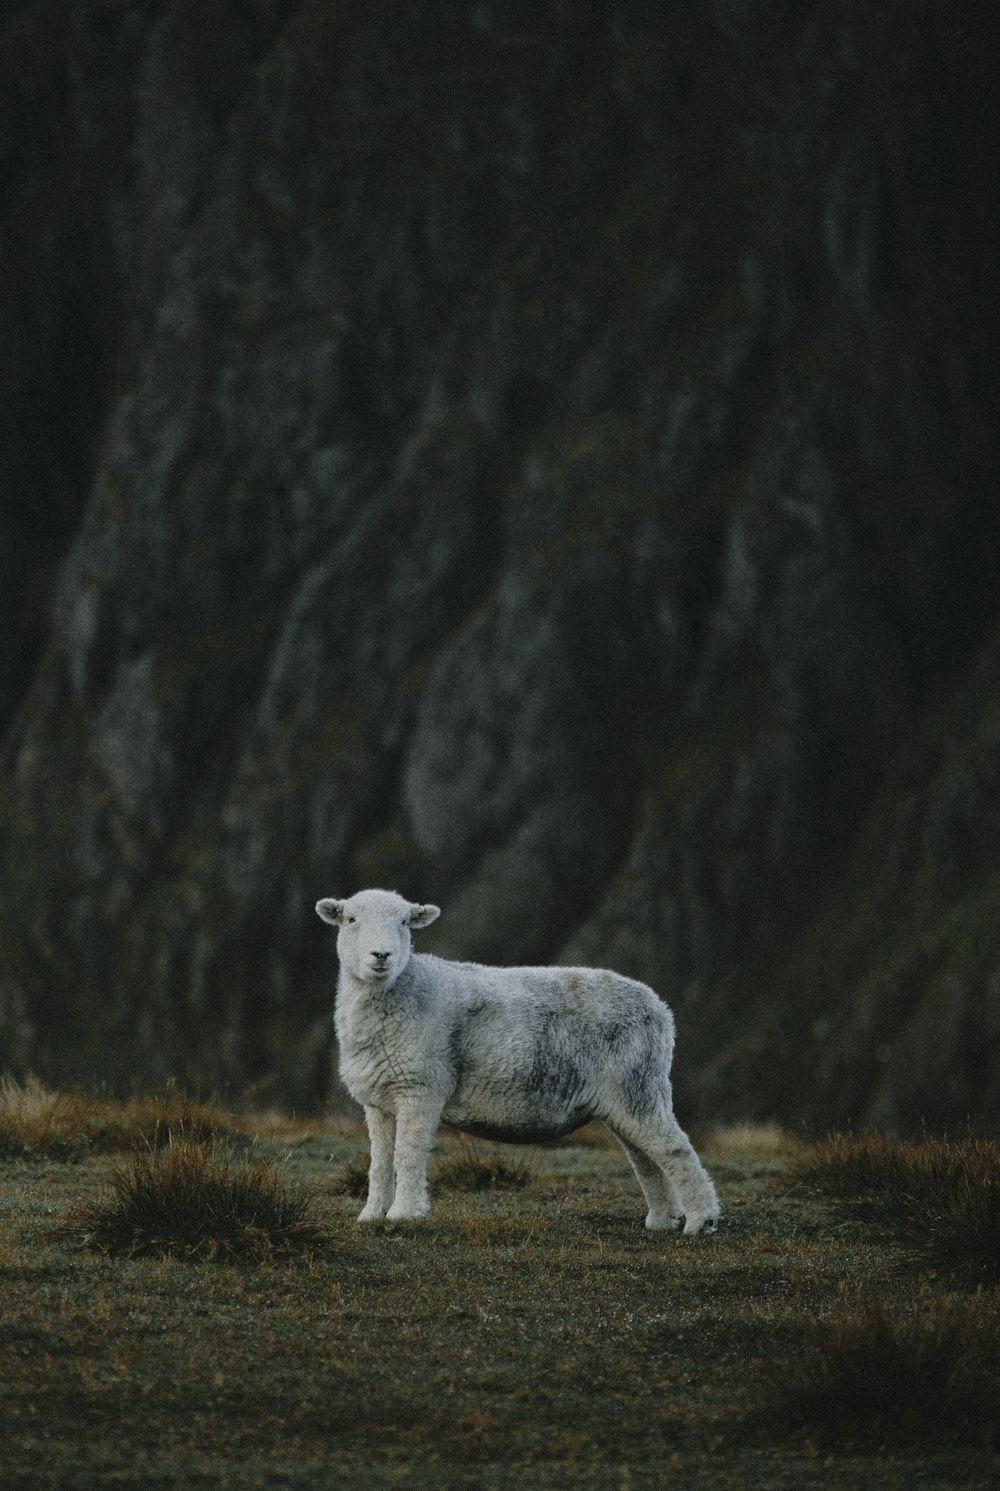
521 1055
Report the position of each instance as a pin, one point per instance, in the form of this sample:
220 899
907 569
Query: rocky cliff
538 457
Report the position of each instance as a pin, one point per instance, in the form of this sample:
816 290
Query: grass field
530 1333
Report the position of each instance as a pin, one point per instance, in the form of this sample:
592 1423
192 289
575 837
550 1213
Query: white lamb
516 1054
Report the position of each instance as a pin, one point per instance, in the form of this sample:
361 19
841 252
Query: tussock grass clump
466 1171
938 1198
352 1177
190 1202
870 1380
35 1119
470 1171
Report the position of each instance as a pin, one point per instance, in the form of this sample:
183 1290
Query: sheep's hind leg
674 1153
665 1211
382 1137
663 1142
415 1130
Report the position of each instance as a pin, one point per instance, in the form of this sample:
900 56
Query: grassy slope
539 1335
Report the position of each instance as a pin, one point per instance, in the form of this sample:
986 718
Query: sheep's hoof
663 1224
695 1228
371 1214
403 1215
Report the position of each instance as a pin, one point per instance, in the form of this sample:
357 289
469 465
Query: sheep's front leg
416 1126
382 1136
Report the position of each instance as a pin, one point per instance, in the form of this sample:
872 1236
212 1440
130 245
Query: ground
534 1333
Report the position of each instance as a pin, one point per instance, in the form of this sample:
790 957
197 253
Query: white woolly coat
520 1054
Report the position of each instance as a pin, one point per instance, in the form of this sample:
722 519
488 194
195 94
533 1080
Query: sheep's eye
352 920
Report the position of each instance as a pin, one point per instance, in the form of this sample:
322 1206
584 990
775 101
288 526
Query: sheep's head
373 940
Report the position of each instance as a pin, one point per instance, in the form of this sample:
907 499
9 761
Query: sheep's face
373 936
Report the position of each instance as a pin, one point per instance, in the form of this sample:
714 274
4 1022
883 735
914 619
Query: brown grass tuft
35 1119
352 1177
190 1202
470 1171
465 1171
938 1198
869 1379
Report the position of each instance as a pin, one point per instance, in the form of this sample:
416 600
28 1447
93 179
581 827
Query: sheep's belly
508 1133
520 1107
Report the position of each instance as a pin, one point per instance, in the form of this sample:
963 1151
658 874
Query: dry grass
352 1177
939 1199
468 1169
32 1118
66 1126
534 1336
870 1378
749 1138
471 1170
191 1202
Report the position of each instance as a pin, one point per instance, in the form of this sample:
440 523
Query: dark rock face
539 460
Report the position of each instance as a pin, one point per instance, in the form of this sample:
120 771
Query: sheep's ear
422 916
331 911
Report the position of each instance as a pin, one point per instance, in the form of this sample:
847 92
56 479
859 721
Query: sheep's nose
381 957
